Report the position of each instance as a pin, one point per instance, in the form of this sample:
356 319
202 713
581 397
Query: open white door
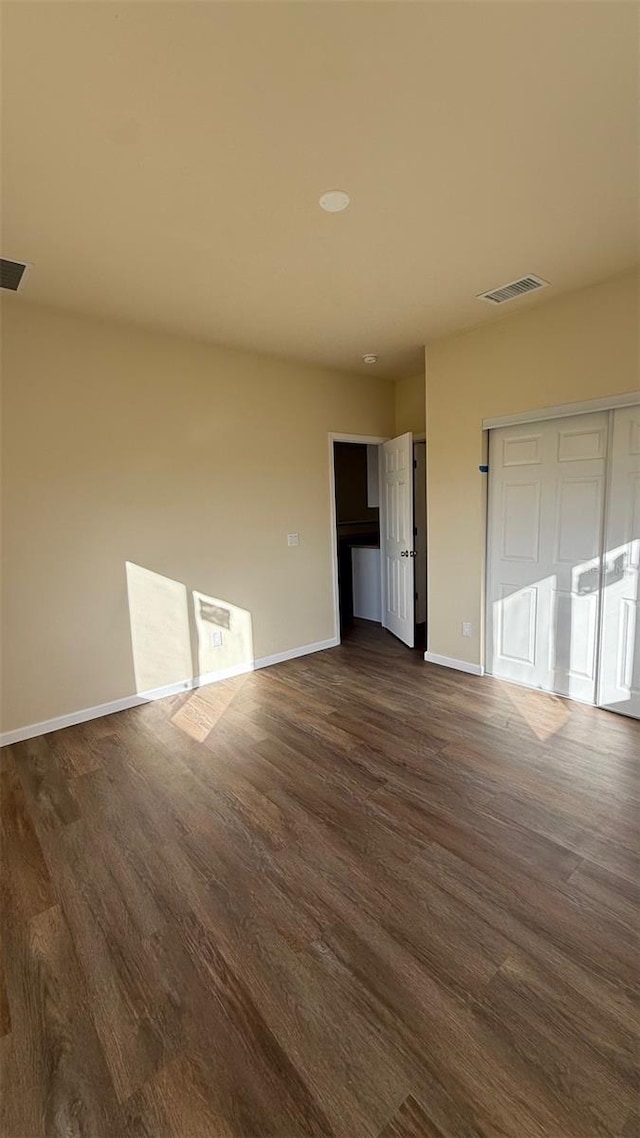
619 687
396 537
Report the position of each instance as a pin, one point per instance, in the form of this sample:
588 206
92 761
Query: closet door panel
546 500
619 670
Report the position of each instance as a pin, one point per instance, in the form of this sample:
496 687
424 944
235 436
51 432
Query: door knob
404 552
413 553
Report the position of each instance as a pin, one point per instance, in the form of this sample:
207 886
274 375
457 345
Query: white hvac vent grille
512 290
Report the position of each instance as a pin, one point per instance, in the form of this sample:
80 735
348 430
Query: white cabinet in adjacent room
365 562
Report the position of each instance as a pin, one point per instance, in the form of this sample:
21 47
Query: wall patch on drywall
12 274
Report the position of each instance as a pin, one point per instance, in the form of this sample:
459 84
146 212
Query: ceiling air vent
12 274
512 290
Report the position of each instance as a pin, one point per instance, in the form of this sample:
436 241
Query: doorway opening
378 491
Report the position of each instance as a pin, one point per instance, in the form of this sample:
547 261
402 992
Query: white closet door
619 686
396 537
546 491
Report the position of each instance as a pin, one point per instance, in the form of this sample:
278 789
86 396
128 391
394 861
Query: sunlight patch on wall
225 635
187 642
160 639
224 649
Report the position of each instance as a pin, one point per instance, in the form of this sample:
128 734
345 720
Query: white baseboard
293 653
87 713
458 665
57 724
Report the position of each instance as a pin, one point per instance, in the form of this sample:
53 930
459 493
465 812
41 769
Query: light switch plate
466 628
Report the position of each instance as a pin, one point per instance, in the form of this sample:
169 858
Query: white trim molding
563 410
293 653
457 665
87 713
364 440
74 717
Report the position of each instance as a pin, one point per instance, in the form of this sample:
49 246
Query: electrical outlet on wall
216 638
467 628
293 539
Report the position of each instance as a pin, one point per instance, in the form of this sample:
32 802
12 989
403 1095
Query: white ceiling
163 163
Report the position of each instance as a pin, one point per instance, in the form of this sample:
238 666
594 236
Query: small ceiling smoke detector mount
334 201
370 358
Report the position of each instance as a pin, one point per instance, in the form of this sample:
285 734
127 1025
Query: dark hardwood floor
352 895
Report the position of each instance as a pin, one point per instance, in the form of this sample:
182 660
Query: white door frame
337 437
561 411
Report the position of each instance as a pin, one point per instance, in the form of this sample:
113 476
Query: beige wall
410 405
149 486
580 346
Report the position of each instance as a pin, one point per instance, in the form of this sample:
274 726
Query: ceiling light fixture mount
370 358
334 201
